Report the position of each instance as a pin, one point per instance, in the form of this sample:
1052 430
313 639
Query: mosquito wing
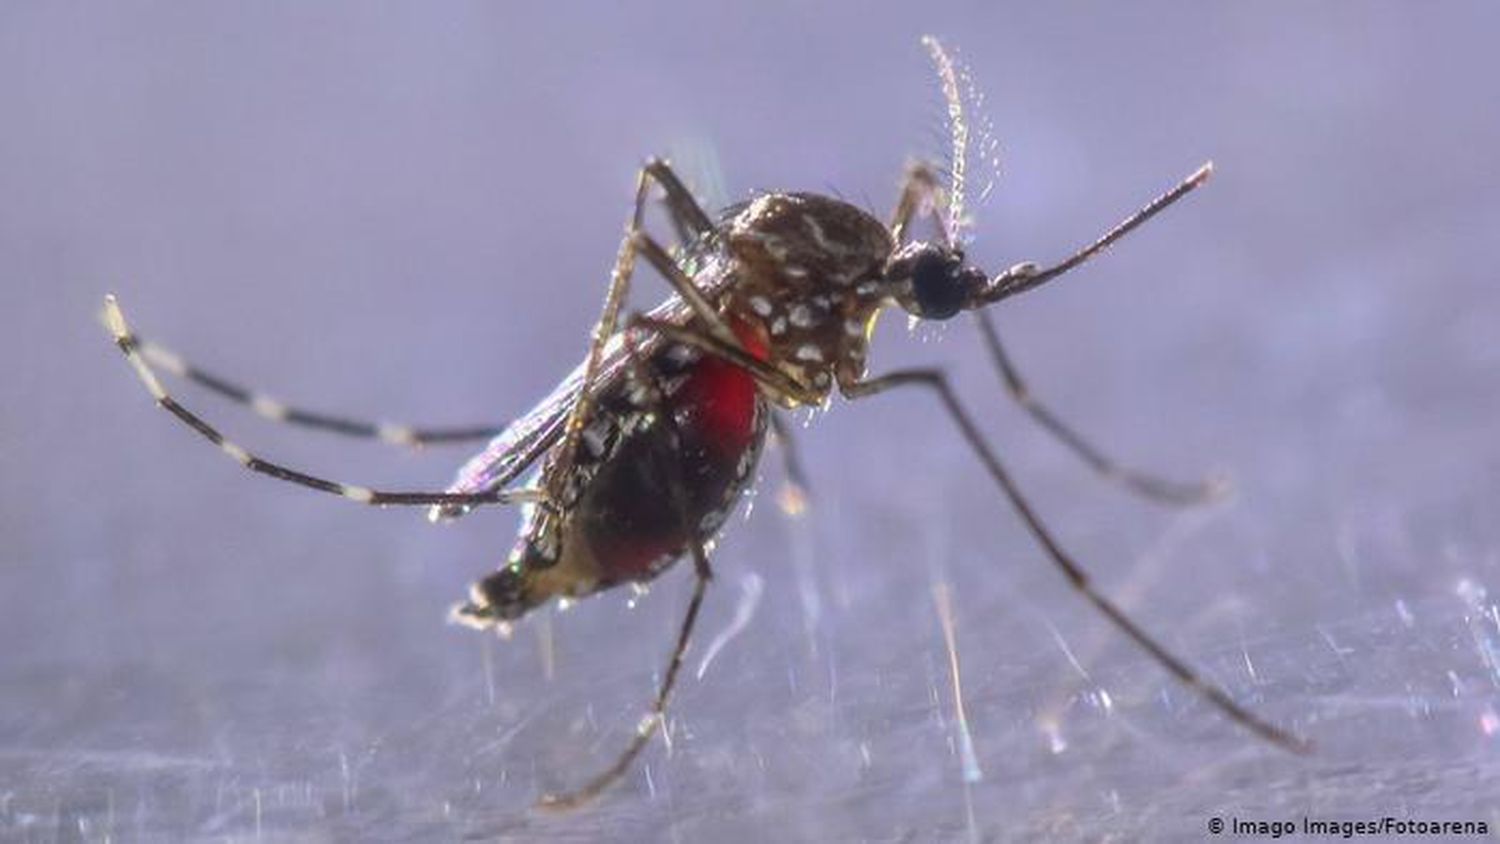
517 448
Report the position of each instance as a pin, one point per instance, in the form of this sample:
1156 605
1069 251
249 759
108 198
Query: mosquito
640 455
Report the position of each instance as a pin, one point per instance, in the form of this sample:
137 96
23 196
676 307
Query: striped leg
920 195
1147 485
689 216
772 379
405 435
702 574
114 319
1077 577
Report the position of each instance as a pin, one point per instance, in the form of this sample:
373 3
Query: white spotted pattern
681 354
594 439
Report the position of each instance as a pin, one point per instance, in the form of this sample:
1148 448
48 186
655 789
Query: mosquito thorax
811 273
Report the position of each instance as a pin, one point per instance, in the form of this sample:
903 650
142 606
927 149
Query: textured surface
410 214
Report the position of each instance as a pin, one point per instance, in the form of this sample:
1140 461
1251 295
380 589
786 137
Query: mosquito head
932 281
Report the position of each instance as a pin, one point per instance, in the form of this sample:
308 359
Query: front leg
937 381
1142 483
920 194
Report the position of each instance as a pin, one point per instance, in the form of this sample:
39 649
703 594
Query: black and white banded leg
1142 483
920 194
688 216
936 381
264 405
668 454
774 380
119 330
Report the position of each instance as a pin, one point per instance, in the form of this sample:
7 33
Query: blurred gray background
408 212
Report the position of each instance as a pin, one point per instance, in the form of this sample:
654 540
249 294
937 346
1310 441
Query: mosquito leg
683 284
651 721
1149 486
120 330
685 212
920 193
683 207
687 215
937 381
619 285
769 377
794 492
168 361
702 574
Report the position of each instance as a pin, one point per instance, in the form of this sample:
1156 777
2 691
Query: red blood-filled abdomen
627 513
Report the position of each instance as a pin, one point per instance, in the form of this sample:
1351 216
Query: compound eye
937 286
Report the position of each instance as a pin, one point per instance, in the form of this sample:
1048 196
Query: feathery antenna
958 129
